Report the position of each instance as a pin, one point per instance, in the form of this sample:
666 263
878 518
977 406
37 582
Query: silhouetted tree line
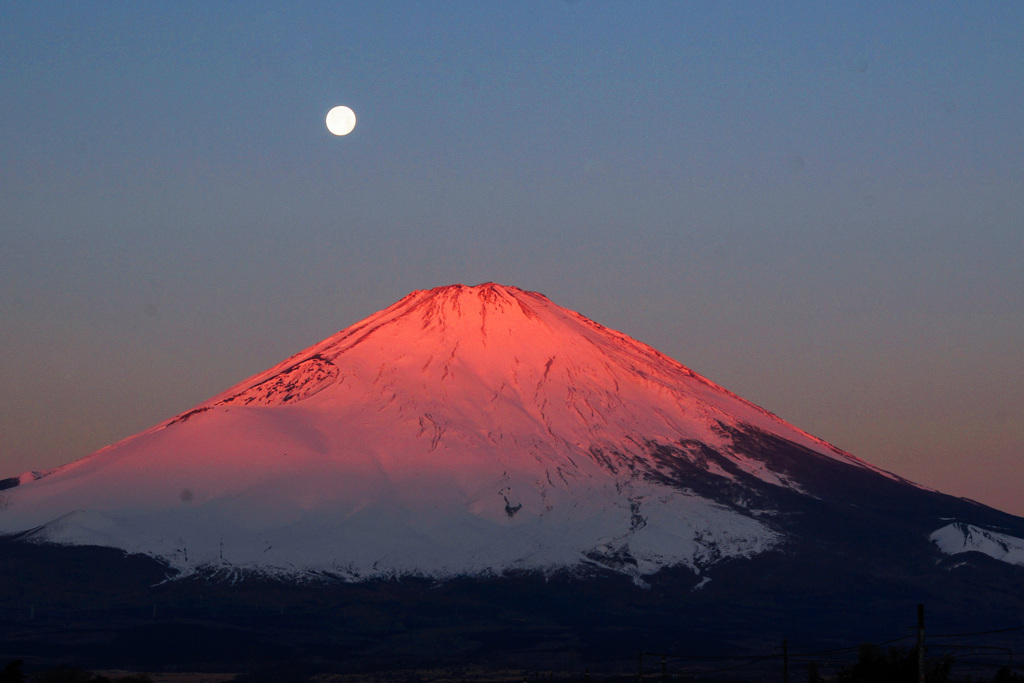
14 673
899 665
1004 675
277 674
893 665
873 665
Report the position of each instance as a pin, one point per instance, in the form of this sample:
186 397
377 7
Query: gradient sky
819 206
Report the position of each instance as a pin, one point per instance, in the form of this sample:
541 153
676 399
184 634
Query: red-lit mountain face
469 430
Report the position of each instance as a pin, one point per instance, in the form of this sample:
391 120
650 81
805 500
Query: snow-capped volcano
462 430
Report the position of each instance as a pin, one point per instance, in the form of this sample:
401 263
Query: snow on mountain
22 478
957 538
462 430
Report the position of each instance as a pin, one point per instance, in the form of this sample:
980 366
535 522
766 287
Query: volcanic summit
460 431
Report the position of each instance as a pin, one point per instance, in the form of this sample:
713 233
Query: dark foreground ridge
97 609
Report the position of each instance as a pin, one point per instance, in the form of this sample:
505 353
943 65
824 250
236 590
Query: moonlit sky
819 206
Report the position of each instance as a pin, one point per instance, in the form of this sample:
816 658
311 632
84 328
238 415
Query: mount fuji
486 432
462 430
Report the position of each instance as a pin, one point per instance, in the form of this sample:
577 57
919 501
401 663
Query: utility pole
920 644
640 667
664 670
785 660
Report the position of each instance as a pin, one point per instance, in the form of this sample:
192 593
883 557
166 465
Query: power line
977 633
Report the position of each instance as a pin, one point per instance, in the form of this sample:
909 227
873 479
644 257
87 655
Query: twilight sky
819 206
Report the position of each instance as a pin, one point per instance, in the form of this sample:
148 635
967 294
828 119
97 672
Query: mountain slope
462 430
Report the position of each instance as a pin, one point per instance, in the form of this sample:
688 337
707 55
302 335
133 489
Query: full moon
341 120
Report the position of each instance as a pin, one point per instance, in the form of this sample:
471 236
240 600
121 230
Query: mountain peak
460 430
485 291
490 293
452 302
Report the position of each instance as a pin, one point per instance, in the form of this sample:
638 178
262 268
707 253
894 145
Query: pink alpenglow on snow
462 430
